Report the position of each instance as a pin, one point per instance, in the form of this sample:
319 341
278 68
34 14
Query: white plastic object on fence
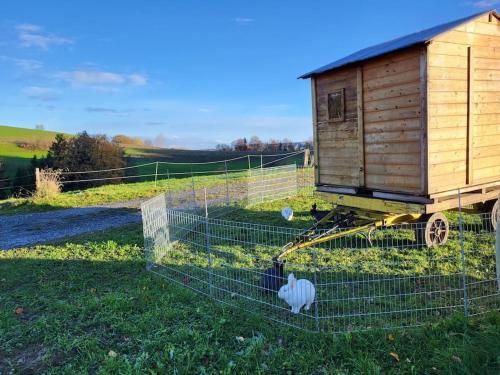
287 213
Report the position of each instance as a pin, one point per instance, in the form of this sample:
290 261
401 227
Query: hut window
336 105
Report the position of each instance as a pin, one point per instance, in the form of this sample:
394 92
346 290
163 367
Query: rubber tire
491 208
426 235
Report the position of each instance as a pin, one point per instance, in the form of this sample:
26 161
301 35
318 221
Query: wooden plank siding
421 121
392 128
338 145
464 106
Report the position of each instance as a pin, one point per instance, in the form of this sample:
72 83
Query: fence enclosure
395 282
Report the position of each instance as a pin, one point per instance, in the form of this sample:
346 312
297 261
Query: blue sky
197 72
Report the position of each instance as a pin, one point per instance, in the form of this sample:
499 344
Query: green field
14 156
88 306
179 162
173 163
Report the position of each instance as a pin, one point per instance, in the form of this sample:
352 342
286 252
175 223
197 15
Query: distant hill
19 145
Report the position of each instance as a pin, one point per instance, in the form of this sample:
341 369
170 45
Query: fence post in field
156 173
249 165
169 187
261 179
462 253
498 247
306 158
316 316
192 187
37 179
227 183
208 245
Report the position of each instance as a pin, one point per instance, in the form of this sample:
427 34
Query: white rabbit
297 293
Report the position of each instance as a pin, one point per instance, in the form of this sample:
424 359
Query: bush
49 184
86 153
4 182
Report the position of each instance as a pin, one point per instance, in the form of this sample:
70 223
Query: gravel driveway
29 229
35 228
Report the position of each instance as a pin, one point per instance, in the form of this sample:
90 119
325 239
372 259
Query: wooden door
336 128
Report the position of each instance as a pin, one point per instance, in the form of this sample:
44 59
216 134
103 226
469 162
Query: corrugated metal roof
393 45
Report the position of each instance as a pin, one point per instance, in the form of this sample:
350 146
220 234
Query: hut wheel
492 208
436 230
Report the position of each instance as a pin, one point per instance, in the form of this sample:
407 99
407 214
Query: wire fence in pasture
155 171
358 282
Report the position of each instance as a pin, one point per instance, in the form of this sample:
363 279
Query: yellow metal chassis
368 214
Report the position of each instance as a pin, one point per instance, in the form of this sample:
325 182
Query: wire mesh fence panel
376 278
268 184
155 228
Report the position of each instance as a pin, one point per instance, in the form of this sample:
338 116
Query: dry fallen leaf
93 290
394 355
19 311
390 337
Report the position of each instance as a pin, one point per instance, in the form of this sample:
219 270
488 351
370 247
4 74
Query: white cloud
243 20
28 65
138 79
33 36
205 109
29 28
41 93
101 110
99 79
485 3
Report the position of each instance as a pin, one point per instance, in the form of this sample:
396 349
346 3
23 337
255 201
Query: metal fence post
192 188
227 184
156 173
261 188
462 253
208 245
249 165
169 189
316 312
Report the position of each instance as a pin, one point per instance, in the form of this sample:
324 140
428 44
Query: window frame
339 93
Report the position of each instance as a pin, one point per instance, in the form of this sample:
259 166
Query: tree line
255 144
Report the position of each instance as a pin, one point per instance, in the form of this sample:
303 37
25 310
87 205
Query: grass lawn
89 306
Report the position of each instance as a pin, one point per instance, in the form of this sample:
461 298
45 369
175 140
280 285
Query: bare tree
287 145
240 144
255 144
273 145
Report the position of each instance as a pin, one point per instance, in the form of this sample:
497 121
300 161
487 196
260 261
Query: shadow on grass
91 307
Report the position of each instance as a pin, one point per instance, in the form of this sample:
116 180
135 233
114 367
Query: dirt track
34 228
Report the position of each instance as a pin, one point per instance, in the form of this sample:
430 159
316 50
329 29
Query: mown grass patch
89 306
